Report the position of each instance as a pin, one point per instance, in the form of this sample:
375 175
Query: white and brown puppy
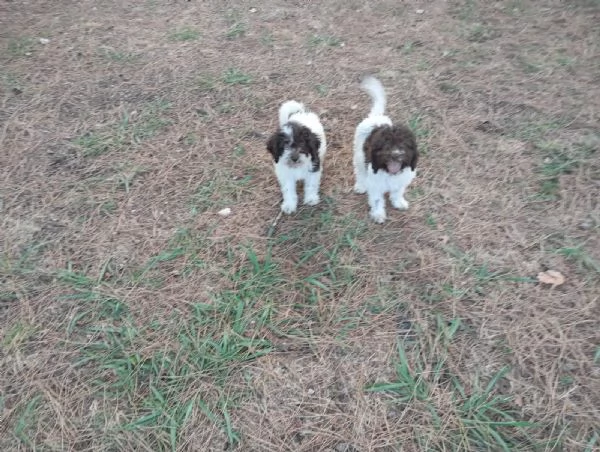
298 148
385 155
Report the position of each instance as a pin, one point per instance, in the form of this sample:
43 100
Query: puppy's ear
373 149
313 143
412 154
377 159
414 160
275 146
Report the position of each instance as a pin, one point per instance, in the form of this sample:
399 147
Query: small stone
224 212
253 10
44 41
420 11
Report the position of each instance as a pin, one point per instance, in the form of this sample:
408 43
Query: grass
422 132
184 34
480 33
130 131
210 340
135 317
580 256
21 47
322 90
236 31
233 76
558 160
483 419
118 56
219 191
324 41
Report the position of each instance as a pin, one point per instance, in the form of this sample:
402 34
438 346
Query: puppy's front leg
311 188
290 197
377 204
397 199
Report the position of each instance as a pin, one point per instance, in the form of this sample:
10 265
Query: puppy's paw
359 188
288 207
378 217
311 200
400 203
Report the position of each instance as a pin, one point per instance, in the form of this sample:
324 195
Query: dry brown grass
133 317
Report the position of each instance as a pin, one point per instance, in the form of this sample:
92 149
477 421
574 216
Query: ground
134 317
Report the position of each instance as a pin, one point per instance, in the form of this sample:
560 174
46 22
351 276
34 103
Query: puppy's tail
287 109
375 90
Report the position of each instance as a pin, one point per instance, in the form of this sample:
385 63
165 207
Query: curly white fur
376 185
289 173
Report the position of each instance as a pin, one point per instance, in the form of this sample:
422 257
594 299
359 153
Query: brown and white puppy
298 148
385 155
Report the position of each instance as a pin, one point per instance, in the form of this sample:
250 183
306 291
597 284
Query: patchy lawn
134 317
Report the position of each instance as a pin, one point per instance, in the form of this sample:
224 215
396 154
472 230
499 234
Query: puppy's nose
295 158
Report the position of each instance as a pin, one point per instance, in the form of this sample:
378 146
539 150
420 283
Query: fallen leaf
551 277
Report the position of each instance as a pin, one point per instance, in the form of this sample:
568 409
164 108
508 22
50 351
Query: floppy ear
313 144
275 146
412 155
414 160
373 148
377 162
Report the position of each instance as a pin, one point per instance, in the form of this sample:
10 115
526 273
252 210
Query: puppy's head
391 148
295 145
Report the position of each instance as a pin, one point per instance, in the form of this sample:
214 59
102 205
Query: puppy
385 155
298 148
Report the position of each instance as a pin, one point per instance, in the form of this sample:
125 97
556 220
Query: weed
468 10
528 66
578 255
267 39
481 33
127 175
449 88
235 31
421 131
184 34
127 132
211 340
322 90
234 76
558 160
537 129
26 421
95 143
19 47
483 420
408 47
239 150
17 335
11 82
431 221
119 56
324 40
206 83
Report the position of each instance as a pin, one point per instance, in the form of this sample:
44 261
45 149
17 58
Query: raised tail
287 109
374 88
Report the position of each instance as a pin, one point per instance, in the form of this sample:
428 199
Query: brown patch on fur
379 147
302 141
